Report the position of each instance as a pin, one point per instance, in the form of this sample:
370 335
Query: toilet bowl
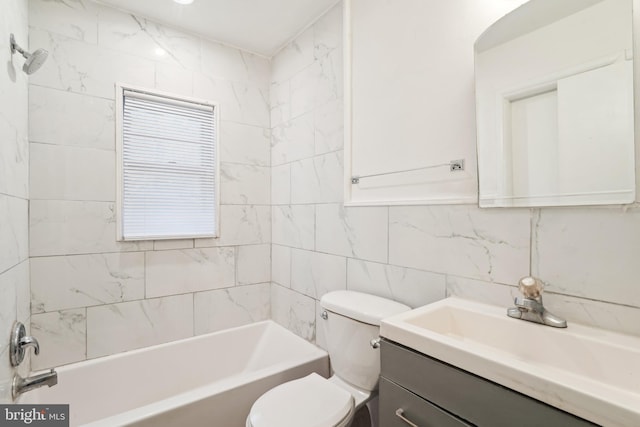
352 323
312 401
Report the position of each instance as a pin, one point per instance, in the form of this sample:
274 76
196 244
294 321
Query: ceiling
259 26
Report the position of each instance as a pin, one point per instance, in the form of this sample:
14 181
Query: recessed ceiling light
183 1
160 51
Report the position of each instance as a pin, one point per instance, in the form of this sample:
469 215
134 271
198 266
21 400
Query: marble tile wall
419 254
90 295
14 188
318 245
287 238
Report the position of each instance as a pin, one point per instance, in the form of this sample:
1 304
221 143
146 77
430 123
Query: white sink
589 372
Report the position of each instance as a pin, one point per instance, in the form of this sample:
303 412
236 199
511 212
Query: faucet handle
530 287
29 342
19 343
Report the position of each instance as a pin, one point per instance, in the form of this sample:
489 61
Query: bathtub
208 380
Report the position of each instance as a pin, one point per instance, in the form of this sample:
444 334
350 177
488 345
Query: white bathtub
209 380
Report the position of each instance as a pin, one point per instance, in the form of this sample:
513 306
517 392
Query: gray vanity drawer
417 410
474 399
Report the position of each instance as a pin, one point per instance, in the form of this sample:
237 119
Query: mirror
554 105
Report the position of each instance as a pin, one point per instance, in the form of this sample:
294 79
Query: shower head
33 60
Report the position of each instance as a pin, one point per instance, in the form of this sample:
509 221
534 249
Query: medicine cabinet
555 105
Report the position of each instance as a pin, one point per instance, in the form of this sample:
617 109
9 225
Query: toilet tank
352 322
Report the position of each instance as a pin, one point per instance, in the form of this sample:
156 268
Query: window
167 166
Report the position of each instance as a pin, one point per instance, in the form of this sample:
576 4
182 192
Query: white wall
14 188
420 254
93 296
90 295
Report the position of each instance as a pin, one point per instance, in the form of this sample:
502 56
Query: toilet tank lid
362 307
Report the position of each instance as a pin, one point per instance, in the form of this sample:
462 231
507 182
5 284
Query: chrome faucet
530 307
18 345
23 385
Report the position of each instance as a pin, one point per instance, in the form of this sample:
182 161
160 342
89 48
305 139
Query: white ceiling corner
258 26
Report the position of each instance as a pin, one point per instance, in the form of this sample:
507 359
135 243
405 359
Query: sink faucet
23 385
530 307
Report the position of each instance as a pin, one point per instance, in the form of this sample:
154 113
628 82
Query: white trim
120 89
119 108
613 197
635 45
348 104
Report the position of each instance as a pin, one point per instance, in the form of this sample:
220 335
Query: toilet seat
312 401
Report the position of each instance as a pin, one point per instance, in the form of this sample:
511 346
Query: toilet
351 323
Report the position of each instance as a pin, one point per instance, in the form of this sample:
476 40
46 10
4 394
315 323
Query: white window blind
168 158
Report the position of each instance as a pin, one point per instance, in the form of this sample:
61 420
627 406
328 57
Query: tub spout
23 385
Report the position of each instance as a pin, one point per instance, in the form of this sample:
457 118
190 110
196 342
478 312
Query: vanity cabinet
431 393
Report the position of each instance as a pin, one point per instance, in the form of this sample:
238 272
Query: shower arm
16 48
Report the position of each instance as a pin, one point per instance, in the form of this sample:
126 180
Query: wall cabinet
431 393
408 88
